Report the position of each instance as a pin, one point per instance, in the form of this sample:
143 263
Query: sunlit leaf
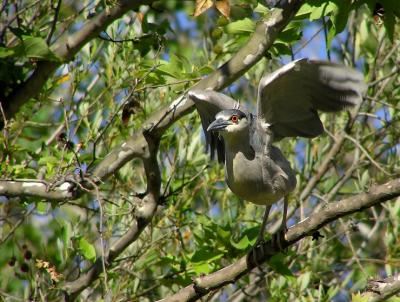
86 249
241 26
358 297
202 6
42 207
223 7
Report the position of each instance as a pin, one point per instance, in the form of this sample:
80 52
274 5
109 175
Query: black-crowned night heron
287 104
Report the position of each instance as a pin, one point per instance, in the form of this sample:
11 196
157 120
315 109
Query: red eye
234 119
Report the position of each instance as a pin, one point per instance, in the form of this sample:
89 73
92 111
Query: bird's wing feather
208 103
288 99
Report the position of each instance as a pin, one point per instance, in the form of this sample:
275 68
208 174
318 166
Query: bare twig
53 24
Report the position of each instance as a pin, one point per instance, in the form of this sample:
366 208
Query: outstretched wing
288 99
208 103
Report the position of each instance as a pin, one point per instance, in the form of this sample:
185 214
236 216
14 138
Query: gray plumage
287 106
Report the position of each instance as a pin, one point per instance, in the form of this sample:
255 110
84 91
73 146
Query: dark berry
12 261
62 137
28 255
24 268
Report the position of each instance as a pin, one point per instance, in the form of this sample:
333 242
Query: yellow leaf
357 297
63 78
223 7
202 6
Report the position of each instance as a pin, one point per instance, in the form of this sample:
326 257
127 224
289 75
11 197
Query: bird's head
229 121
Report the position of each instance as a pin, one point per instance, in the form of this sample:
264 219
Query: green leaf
6 52
66 233
87 250
331 35
321 9
169 69
206 254
316 13
277 264
340 16
290 34
261 9
239 12
304 280
42 207
37 48
202 268
304 11
224 234
243 243
357 297
249 238
244 26
48 160
364 181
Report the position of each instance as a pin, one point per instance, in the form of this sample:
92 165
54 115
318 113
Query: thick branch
35 188
332 211
381 290
67 46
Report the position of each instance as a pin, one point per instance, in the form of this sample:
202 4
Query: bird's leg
264 223
284 216
260 238
279 237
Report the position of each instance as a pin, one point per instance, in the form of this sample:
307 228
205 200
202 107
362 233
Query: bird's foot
316 235
257 252
279 240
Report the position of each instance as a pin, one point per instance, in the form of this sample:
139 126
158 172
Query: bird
288 102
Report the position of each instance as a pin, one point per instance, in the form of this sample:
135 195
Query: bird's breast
258 179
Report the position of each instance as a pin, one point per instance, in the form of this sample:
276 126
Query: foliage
141 63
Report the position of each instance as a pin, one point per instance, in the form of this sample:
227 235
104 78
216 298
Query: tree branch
381 290
331 212
36 188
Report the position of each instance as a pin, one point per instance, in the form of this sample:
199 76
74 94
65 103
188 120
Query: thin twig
16 225
376 164
53 24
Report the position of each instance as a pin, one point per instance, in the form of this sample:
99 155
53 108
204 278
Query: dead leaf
42 264
223 7
54 275
51 269
130 108
140 16
202 6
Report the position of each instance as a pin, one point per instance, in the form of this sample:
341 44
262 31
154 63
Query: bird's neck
238 141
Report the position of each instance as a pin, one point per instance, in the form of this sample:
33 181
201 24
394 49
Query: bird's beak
218 125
